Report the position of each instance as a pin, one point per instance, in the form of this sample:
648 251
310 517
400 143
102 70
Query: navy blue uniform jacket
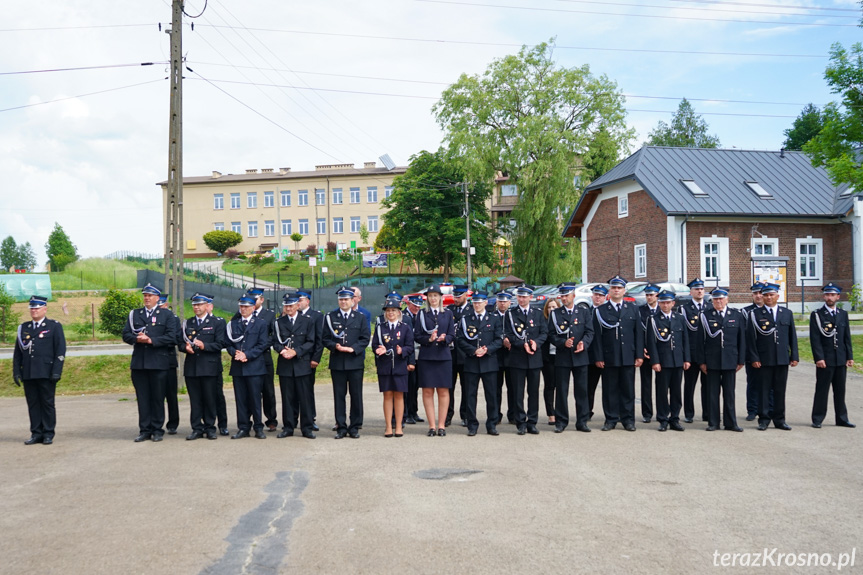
162 330
205 362
489 333
355 333
300 337
394 364
671 353
777 348
622 345
44 359
438 350
254 343
728 350
577 324
835 349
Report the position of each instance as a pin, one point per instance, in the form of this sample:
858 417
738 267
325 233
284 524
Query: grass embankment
110 374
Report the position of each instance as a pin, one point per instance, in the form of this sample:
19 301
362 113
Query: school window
219 226
809 260
623 206
320 197
252 200
388 191
373 224
270 228
765 247
338 225
253 229
355 224
508 191
269 199
321 226
235 201
286 199
714 260
337 195
641 260
372 194
304 227
218 201
236 227
286 227
303 198
355 195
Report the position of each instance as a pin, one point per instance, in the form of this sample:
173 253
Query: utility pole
174 203
467 233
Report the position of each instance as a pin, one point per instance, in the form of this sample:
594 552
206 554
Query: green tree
603 153
114 311
8 317
426 213
297 237
60 249
364 234
8 253
687 130
385 240
221 240
26 256
805 127
835 147
532 120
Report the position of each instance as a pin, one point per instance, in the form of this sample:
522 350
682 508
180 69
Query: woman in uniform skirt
393 343
548 351
434 330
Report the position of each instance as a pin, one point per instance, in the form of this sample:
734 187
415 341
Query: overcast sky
295 84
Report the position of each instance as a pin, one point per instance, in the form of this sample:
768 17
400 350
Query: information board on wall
773 271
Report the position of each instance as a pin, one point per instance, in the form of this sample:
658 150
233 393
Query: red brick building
727 216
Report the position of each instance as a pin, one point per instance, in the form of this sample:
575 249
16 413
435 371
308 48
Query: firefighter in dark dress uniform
830 336
221 404
294 339
152 332
347 334
752 389
503 302
526 330
40 350
268 316
645 372
171 385
772 347
599 295
459 307
691 312
724 353
203 338
620 351
480 336
318 319
412 415
667 341
247 343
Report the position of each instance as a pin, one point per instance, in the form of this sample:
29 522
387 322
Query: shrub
312 249
220 240
346 256
331 247
8 318
230 253
114 311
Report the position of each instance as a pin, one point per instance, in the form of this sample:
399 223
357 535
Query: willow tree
533 121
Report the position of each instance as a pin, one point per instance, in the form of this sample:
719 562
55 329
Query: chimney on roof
370 164
251 171
216 174
782 152
284 171
266 170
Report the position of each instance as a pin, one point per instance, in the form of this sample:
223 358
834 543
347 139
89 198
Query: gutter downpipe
683 248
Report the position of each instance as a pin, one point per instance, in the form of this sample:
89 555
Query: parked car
584 294
635 292
537 299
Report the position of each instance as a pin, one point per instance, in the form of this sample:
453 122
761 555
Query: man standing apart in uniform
724 342
526 330
830 336
347 334
667 342
203 339
621 349
645 372
772 347
153 334
40 350
480 336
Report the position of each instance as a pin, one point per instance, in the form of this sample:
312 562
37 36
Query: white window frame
338 225
356 224
302 197
723 266
355 195
286 198
303 227
253 229
218 201
372 219
764 242
640 263
235 201
338 197
286 227
320 197
237 227
269 199
252 200
321 226
622 205
219 226
509 191
372 194
811 280
269 228
388 191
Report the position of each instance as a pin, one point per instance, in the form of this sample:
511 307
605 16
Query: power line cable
78 68
778 6
82 95
737 11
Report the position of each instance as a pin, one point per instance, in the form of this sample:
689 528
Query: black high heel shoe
441 432
432 432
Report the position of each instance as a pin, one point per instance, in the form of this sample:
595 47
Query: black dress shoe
336 427
341 435
441 432
663 426
47 440
583 429
309 434
223 431
493 431
711 428
735 428
816 425
419 419
609 426
240 434
286 433
172 431
646 419
158 437
558 429
38 439
432 432
471 432
687 419
783 426
845 424
448 421
463 423
629 426
354 434
410 420
194 435
259 434
676 426
531 429
212 435
315 427
272 427
751 417
141 437
762 426
521 431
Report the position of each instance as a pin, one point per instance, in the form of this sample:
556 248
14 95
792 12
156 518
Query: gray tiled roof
798 188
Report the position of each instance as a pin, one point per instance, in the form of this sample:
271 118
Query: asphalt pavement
604 502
